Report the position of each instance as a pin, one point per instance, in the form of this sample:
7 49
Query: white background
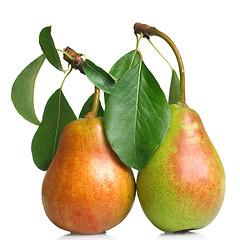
207 36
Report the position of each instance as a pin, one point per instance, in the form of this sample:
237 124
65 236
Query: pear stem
94 111
96 101
152 31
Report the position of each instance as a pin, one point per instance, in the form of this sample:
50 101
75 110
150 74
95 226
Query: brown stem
94 111
96 101
76 60
152 31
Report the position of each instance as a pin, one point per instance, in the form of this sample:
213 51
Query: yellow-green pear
182 186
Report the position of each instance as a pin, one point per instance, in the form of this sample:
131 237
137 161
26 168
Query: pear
182 186
87 189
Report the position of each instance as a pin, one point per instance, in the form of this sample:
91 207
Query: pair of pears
88 190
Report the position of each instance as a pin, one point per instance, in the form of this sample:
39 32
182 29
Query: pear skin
87 189
183 185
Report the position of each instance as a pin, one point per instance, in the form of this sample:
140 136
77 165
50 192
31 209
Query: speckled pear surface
182 187
87 189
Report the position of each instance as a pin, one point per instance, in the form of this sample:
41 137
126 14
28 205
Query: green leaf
45 140
174 92
136 117
23 90
87 107
124 64
106 96
48 47
100 78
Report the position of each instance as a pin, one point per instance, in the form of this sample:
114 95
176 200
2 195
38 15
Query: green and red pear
183 185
